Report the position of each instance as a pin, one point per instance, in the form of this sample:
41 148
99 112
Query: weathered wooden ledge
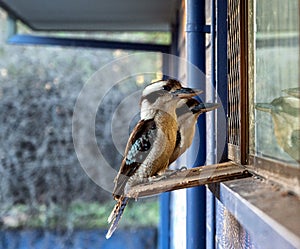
190 178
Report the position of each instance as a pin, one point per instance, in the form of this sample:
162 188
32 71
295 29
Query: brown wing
137 149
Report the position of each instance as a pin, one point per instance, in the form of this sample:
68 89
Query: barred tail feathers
116 215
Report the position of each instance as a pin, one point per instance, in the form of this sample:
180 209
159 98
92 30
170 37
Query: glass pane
276 83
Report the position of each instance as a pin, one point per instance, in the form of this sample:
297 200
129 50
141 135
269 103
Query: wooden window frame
266 205
274 170
271 169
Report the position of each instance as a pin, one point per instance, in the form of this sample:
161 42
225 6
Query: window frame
275 170
265 204
271 168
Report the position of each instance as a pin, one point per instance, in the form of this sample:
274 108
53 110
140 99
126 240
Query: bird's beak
185 93
263 107
204 107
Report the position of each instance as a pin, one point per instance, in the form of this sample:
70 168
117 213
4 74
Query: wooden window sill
191 178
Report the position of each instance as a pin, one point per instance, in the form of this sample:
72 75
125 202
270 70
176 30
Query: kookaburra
285 113
151 143
187 113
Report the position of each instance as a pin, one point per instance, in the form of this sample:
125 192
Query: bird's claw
157 178
168 173
183 168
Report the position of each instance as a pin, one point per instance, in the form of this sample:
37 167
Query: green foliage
79 215
42 182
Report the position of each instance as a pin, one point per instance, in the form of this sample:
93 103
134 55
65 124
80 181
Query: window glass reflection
276 90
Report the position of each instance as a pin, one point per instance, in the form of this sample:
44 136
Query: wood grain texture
189 178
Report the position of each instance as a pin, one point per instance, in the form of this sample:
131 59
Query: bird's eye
167 88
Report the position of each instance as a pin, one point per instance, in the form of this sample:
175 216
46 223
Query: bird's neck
147 113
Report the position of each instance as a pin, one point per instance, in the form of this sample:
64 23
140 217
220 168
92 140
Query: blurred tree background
42 183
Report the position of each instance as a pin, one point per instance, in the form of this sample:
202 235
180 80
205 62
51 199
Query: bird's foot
183 168
168 173
157 178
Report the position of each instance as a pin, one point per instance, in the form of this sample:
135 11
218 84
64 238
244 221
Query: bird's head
165 95
166 90
203 107
288 104
194 107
